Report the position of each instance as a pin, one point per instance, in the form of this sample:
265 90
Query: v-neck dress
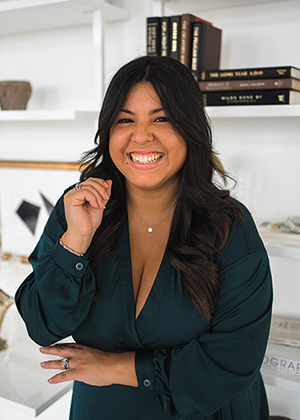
187 367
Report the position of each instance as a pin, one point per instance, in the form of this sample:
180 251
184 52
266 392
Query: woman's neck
154 202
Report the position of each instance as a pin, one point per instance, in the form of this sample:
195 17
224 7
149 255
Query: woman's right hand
84 212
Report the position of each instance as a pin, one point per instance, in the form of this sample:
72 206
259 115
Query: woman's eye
124 120
162 119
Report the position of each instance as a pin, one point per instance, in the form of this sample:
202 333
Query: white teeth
145 158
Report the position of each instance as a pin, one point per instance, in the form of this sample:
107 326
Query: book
175 36
252 73
252 97
284 360
153 36
285 332
165 36
206 48
186 29
232 85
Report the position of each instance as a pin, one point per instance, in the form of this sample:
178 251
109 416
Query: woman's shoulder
243 238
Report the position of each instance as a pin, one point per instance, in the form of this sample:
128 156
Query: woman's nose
142 133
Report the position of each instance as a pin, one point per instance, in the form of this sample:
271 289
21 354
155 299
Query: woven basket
14 95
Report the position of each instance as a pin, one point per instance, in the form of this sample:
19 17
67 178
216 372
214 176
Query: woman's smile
145 158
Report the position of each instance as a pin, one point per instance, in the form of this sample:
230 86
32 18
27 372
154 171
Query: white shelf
253 111
281 380
18 16
47 115
283 251
212 4
282 244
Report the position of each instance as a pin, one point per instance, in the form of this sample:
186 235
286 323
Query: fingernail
43 364
50 380
105 184
42 348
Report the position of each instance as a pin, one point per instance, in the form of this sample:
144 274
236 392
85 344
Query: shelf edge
47 115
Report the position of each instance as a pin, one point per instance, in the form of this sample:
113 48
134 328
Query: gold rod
39 165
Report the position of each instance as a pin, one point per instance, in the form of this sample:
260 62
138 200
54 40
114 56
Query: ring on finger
65 362
77 187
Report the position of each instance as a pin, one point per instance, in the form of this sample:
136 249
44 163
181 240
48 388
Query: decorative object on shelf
5 302
291 225
14 95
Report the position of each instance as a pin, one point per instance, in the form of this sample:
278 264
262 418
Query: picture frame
28 192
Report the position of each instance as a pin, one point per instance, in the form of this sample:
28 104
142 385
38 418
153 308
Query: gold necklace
149 228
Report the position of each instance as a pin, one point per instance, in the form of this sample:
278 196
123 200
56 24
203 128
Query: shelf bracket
98 44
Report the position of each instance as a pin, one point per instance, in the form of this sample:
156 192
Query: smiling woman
157 273
146 142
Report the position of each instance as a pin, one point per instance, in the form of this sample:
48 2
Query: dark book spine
212 48
251 73
197 59
175 37
206 48
165 36
153 36
266 97
232 85
186 33
186 39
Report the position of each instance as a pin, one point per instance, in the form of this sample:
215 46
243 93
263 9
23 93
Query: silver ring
65 362
77 187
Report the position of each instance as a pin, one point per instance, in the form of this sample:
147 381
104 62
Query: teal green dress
187 367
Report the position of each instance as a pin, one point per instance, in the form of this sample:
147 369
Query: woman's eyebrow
153 111
126 111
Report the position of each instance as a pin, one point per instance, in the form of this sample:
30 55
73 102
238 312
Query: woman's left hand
90 365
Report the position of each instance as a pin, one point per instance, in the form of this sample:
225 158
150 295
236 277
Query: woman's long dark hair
204 212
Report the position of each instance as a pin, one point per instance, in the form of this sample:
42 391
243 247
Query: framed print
28 192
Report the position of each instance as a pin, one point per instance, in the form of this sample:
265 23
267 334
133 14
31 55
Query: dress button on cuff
146 383
79 266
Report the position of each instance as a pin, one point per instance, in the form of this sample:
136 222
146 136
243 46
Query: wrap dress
187 367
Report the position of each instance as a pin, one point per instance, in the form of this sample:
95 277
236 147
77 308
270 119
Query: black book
206 48
175 37
252 73
165 36
153 36
255 97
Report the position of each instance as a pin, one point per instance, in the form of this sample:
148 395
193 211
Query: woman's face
143 144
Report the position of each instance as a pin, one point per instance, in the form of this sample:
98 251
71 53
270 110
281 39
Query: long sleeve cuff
145 369
74 265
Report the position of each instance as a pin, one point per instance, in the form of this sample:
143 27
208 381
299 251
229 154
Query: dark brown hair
204 211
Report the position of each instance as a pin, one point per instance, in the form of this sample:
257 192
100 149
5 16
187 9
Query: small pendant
150 229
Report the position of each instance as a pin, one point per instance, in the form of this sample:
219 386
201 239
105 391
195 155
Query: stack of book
251 86
285 331
187 38
283 351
